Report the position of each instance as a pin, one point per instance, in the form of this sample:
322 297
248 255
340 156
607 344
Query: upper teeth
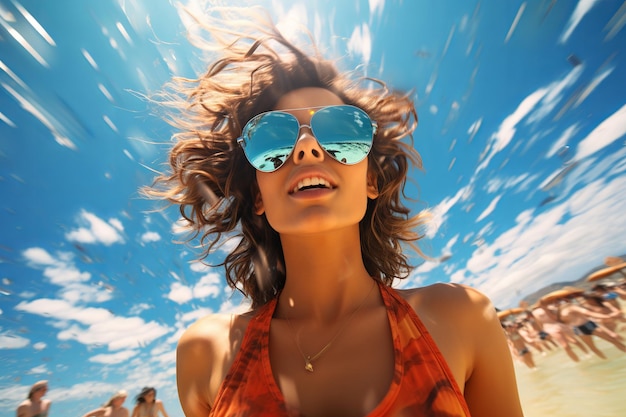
308 182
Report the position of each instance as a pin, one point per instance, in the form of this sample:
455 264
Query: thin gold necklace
308 359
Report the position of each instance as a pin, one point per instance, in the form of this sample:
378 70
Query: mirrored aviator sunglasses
344 132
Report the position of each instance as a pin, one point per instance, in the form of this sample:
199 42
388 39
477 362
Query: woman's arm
595 315
161 408
194 365
491 388
95 413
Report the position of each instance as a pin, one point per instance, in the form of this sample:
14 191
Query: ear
259 208
372 186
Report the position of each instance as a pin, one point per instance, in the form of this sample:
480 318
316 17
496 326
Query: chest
350 378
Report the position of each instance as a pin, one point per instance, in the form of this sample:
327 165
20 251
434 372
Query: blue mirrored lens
269 139
344 132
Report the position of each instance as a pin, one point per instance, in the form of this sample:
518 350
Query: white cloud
496 184
114 358
10 341
439 213
448 248
501 139
293 21
592 85
39 346
150 237
582 8
376 7
554 94
116 333
489 209
518 16
39 256
64 274
473 129
41 369
562 140
95 326
208 285
63 310
180 293
360 42
611 129
558 244
96 230
137 309
77 293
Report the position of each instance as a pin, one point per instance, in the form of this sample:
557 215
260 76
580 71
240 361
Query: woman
35 405
308 168
147 405
548 315
113 408
583 321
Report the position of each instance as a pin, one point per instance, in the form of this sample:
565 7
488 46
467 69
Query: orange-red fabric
422 384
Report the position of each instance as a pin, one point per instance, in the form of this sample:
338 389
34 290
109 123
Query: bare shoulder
204 354
22 409
450 300
465 326
214 331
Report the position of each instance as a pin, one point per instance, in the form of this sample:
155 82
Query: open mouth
311 184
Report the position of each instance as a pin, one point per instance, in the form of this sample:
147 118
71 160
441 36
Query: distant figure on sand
518 347
533 333
147 404
560 332
580 319
35 405
113 407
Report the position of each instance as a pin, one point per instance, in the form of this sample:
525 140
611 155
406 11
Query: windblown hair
215 186
119 394
36 387
141 397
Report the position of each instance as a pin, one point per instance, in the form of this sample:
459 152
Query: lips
312 181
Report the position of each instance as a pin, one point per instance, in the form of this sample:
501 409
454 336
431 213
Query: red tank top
422 385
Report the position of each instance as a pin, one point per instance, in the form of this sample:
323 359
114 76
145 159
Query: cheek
267 201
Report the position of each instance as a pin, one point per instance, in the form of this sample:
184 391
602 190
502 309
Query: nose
307 149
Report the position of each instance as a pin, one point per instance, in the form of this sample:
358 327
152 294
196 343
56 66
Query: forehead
307 97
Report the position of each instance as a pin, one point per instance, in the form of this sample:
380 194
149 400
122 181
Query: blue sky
522 130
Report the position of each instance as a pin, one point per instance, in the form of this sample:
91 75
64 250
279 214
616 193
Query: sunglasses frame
242 141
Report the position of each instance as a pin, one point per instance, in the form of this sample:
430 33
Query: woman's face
340 203
117 402
149 397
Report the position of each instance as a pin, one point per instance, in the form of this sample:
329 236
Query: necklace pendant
308 366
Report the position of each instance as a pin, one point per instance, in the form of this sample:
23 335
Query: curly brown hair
215 186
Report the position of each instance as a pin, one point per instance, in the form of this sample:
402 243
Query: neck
326 277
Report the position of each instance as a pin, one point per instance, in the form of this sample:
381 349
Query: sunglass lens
269 139
345 132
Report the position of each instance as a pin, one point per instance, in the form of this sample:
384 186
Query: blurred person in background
147 404
35 405
113 408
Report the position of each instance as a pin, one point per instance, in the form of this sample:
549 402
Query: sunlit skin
116 409
36 405
150 407
326 281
